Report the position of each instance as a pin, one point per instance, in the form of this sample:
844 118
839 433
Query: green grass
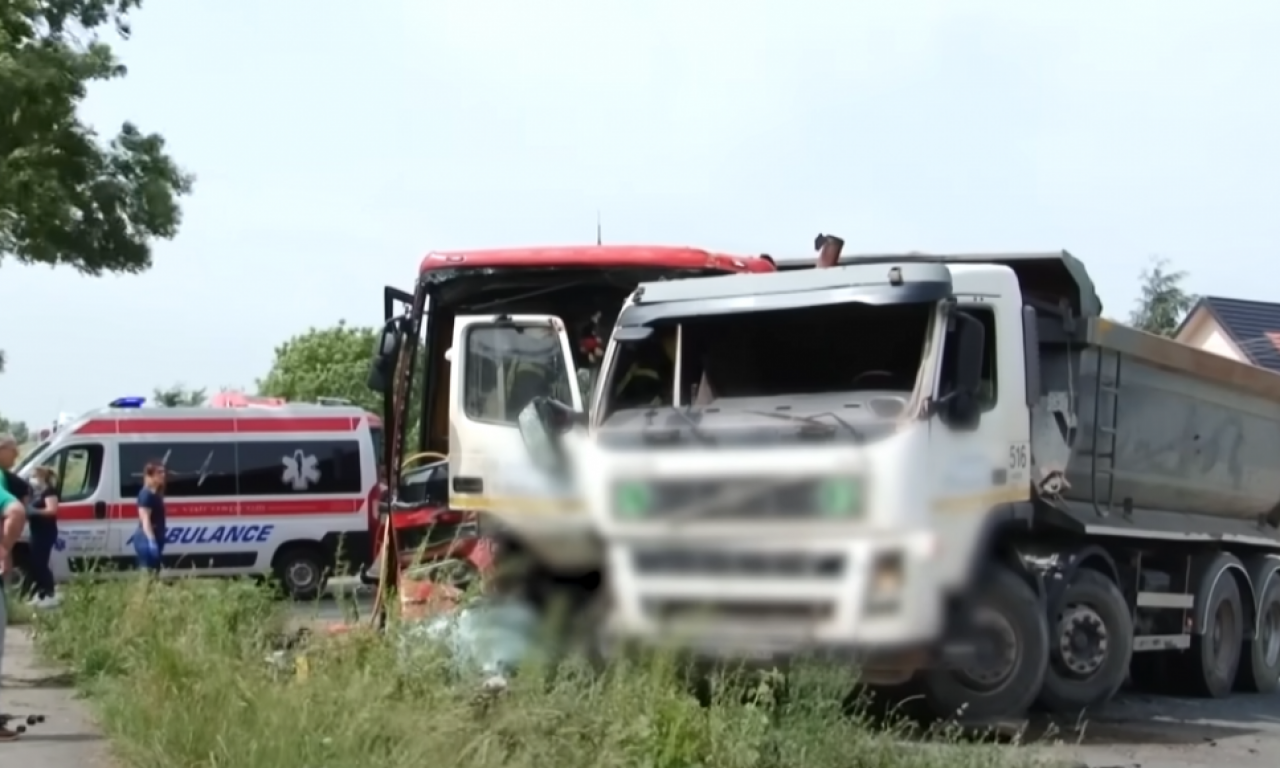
178 680
17 612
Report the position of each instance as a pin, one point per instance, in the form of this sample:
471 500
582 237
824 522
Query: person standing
148 540
42 522
14 519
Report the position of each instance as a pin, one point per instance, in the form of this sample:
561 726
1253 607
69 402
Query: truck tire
1090 645
1004 687
303 571
1214 658
1260 660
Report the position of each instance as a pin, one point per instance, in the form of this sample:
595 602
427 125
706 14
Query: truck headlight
632 499
839 497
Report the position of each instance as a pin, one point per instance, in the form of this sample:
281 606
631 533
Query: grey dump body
1134 434
1167 439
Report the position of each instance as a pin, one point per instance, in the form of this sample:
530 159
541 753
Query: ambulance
270 488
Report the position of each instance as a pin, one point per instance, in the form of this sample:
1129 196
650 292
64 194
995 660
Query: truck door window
989 390
79 471
509 365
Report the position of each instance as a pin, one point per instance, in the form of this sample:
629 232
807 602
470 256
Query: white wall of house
1202 331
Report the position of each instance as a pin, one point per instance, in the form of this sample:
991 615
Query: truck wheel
1090 645
1214 657
1260 665
303 572
1013 656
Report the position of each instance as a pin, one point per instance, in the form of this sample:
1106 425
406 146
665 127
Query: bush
178 676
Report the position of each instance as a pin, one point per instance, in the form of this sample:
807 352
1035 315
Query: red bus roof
597 256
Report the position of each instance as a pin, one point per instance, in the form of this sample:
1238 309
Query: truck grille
738 499
683 561
753 612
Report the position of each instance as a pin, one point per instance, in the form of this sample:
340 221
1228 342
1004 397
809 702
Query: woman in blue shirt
148 540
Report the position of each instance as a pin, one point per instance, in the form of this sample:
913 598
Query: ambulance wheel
19 579
1012 636
303 571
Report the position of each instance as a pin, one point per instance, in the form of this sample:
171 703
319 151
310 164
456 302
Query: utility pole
599 237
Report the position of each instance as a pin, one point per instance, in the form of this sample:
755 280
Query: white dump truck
950 470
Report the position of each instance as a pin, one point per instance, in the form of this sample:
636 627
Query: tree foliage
325 362
1163 303
179 396
332 362
67 198
19 429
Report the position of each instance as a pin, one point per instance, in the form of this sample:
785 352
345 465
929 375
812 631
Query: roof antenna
599 237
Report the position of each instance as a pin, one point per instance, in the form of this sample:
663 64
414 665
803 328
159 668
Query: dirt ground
1140 731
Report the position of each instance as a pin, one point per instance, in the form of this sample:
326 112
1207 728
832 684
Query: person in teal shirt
15 519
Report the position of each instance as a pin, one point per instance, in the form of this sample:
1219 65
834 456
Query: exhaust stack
829 248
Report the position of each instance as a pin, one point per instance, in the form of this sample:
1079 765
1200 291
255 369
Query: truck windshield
801 351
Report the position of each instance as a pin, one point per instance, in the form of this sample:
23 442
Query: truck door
988 464
498 364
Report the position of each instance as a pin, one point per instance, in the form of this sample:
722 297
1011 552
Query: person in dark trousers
13 518
148 540
42 522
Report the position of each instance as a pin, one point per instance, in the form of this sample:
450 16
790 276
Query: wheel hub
997 651
302 575
1082 640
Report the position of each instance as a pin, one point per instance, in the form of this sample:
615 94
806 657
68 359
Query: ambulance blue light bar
128 402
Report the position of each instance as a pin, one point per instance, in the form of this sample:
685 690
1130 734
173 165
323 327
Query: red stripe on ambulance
199 509
243 425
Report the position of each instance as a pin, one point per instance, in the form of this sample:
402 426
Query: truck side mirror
386 352
965 405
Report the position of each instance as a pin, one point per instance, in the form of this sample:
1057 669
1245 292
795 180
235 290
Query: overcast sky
336 143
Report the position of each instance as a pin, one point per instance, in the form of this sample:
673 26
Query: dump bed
1162 431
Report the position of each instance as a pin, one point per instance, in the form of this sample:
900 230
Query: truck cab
825 462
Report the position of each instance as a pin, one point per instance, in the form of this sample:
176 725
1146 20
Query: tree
179 396
67 198
331 362
1163 303
18 429
325 362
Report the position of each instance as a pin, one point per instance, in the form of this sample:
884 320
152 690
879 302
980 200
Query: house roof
1253 326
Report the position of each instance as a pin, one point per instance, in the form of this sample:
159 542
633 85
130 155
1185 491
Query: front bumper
777 596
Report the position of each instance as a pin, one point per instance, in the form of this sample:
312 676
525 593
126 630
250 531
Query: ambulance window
79 471
300 467
191 469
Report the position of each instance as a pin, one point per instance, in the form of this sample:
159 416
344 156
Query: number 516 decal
1018 457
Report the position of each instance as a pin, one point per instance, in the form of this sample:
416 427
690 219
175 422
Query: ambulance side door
498 364
84 500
